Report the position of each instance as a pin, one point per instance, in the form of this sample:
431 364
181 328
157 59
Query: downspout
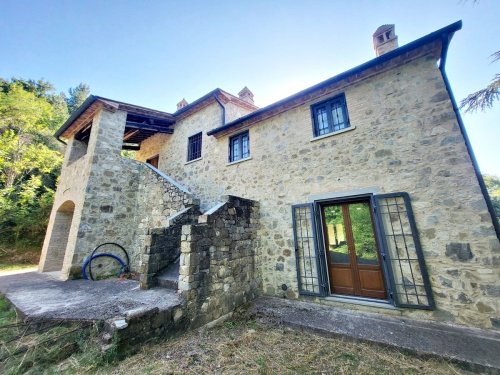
482 185
223 119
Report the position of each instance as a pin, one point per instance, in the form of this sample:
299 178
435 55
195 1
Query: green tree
30 156
493 187
29 159
77 96
40 88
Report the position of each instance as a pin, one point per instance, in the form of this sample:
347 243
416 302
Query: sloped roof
443 35
93 102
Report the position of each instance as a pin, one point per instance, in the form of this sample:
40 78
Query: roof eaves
448 30
110 102
85 105
130 106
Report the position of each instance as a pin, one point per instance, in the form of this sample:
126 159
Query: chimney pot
246 95
182 104
385 39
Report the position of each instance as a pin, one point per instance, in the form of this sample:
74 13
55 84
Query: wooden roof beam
153 128
130 134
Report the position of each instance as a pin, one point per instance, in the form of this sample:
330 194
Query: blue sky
154 53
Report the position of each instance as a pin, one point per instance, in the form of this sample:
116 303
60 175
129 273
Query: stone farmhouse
360 192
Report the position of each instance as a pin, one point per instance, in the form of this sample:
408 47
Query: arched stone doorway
59 237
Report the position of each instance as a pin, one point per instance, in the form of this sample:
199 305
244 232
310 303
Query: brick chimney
246 95
385 39
182 104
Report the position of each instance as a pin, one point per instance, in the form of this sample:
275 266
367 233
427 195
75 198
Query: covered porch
141 123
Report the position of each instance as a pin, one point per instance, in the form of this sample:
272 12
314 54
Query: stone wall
217 264
173 152
404 136
56 247
124 200
70 191
115 200
234 111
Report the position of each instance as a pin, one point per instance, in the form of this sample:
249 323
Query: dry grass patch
253 348
14 259
40 348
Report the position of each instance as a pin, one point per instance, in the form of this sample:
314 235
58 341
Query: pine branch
495 56
483 99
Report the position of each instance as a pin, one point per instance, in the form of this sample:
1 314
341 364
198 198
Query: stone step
169 277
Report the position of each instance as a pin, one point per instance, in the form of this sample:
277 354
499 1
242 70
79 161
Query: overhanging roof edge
129 107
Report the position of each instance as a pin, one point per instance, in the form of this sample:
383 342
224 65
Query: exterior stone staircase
162 229
161 259
169 277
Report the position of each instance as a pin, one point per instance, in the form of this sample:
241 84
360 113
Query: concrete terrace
42 296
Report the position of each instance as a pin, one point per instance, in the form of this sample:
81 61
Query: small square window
239 147
194 147
330 116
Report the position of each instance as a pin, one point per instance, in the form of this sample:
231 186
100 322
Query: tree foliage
493 187
485 98
30 157
77 96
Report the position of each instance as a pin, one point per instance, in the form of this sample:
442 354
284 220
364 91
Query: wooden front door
353 260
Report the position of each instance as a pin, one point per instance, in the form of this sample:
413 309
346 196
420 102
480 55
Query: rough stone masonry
404 135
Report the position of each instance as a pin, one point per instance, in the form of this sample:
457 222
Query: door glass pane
338 251
362 232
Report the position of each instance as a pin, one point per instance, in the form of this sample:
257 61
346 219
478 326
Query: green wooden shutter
402 253
309 263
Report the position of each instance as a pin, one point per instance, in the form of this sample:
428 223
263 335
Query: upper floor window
330 116
194 147
239 147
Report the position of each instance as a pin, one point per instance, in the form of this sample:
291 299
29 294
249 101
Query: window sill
192 161
239 161
333 133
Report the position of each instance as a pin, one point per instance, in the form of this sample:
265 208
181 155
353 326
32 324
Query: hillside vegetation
30 162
